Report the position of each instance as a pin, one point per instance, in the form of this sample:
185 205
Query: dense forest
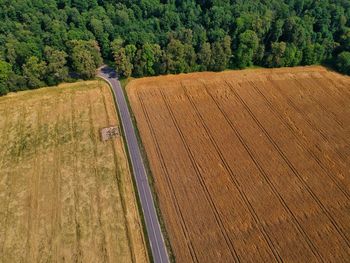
44 42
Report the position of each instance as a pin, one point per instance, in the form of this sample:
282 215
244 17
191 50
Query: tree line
45 42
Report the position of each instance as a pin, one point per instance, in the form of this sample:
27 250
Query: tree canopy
42 41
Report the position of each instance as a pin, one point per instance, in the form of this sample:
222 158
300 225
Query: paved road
155 236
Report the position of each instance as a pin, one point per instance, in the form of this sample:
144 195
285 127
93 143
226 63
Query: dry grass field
65 196
251 165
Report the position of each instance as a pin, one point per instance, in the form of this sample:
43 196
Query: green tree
34 72
218 58
83 63
190 58
283 55
292 55
130 51
204 56
57 70
123 63
345 40
221 54
226 45
97 27
343 62
313 54
123 57
277 30
248 45
147 59
116 45
276 56
86 57
175 56
5 73
56 34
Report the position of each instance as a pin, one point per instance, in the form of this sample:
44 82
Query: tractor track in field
236 184
310 152
295 171
170 185
307 120
202 182
269 182
258 166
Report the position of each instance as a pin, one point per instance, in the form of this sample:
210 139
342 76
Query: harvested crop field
65 196
250 165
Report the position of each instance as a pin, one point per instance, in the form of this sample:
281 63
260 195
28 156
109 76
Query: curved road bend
155 236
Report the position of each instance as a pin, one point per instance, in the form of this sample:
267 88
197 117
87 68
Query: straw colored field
250 165
64 194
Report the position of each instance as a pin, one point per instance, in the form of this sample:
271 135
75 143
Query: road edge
150 176
137 196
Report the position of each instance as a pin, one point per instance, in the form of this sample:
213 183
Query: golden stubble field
65 196
251 165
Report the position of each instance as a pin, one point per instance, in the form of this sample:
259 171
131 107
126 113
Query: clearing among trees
250 165
64 194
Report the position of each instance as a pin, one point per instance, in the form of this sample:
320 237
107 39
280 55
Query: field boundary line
33 187
291 166
56 181
265 177
235 182
170 185
98 186
309 151
202 182
75 179
34 184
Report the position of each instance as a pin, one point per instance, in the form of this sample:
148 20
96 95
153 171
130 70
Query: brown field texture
65 196
250 165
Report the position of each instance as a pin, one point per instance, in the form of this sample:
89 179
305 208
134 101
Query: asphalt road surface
155 236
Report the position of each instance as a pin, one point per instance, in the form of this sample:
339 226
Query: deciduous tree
5 73
248 44
34 72
86 57
343 62
57 69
